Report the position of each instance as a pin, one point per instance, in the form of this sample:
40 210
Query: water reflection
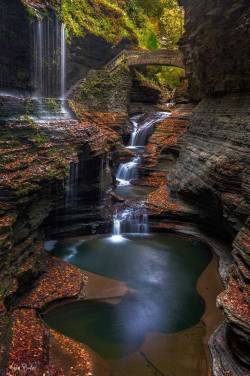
162 271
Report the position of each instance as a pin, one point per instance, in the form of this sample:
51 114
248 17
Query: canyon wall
213 168
17 44
15 57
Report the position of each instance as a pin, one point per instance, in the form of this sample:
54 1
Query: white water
128 171
63 62
49 65
38 58
142 128
132 220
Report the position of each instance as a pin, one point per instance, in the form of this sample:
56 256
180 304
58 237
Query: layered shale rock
216 47
214 163
35 160
213 168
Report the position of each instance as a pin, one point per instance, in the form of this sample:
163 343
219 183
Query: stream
161 271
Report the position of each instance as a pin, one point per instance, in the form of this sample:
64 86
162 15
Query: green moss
53 105
40 139
163 77
29 121
99 83
31 12
146 22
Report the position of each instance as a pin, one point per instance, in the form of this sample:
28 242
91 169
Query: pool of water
161 269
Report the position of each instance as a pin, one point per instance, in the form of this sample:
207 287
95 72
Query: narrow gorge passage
160 271
124 188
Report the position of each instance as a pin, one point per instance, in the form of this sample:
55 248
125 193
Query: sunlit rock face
213 168
15 46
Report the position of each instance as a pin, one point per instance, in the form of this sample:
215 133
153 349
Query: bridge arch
142 58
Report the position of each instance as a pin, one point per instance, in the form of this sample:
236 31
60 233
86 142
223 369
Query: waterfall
128 171
116 227
38 58
132 220
72 187
142 129
63 62
49 67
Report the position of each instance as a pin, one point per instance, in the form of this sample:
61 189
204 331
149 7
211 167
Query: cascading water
133 220
49 66
116 226
142 128
38 57
72 187
63 62
48 57
128 171
48 83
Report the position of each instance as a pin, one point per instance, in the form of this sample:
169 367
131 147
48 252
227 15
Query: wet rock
212 171
35 163
116 198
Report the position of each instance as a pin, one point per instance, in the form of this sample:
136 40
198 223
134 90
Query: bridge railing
119 59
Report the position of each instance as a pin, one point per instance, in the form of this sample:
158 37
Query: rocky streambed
58 180
62 282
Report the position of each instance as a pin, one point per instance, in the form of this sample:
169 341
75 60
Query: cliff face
17 19
35 161
216 46
14 46
213 168
213 164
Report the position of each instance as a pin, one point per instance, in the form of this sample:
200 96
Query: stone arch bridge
135 58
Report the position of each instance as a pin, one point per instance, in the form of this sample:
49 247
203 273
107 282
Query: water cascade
133 220
63 62
49 67
72 187
49 58
128 171
142 128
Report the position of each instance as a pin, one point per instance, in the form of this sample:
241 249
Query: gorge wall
15 57
16 43
213 168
